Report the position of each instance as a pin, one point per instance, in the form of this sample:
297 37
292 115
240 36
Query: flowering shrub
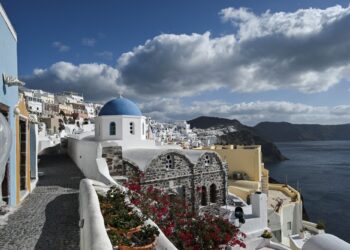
125 227
184 228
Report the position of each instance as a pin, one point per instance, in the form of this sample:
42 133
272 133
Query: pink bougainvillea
184 228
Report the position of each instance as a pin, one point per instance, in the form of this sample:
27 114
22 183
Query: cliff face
205 122
243 136
284 131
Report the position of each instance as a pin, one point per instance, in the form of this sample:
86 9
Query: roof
8 23
142 157
120 106
325 242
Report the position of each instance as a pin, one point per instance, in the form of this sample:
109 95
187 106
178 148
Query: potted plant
142 240
320 225
266 235
117 239
125 222
302 233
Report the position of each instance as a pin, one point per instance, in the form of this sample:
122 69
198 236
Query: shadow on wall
51 150
61 230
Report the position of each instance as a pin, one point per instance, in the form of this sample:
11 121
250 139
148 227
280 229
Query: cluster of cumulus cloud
249 113
307 50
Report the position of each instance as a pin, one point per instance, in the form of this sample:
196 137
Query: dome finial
120 93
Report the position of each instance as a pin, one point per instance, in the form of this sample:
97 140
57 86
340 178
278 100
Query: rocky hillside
205 122
243 136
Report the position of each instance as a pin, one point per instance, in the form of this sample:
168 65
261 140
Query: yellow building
246 172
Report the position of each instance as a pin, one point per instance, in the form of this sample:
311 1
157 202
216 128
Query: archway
213 193
204 201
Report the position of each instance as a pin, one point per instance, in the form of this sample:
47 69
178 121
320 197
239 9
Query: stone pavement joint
48 218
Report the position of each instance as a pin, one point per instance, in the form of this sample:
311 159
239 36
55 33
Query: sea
321 171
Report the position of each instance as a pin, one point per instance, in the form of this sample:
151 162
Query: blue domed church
123 147
120 119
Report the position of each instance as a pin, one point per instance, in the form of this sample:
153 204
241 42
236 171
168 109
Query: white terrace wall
93 235
256 222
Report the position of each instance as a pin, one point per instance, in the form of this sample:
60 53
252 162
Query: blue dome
120 106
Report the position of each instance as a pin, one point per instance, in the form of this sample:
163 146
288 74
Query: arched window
183 193
204 196
169 163
132 128
213 193
207 160
112 129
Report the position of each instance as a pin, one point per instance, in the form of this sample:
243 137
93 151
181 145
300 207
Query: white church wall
102 130
86 155
136 135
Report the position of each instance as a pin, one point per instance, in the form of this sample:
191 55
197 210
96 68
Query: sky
249 60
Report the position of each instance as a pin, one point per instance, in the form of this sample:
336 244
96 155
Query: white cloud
248 112
101 82
60 46
96 81
294 24
306 50
89 42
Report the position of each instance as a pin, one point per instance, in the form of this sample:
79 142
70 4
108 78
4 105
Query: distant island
244 135
267 133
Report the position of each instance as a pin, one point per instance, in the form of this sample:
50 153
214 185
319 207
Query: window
204 196
132 128
183 193
206 160
213 193
169 163
289 226
112 130
143 128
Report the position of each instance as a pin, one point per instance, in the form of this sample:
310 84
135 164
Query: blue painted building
8 101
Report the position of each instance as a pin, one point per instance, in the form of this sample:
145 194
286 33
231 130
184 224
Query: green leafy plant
117 239
144 237
266 234
321 225
124 220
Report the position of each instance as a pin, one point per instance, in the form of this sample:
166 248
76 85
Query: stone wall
130 169
192 181
199 184
113 156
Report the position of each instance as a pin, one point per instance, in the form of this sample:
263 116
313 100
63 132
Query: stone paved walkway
48 218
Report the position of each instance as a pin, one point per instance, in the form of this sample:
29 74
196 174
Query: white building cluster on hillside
49 108
179 132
